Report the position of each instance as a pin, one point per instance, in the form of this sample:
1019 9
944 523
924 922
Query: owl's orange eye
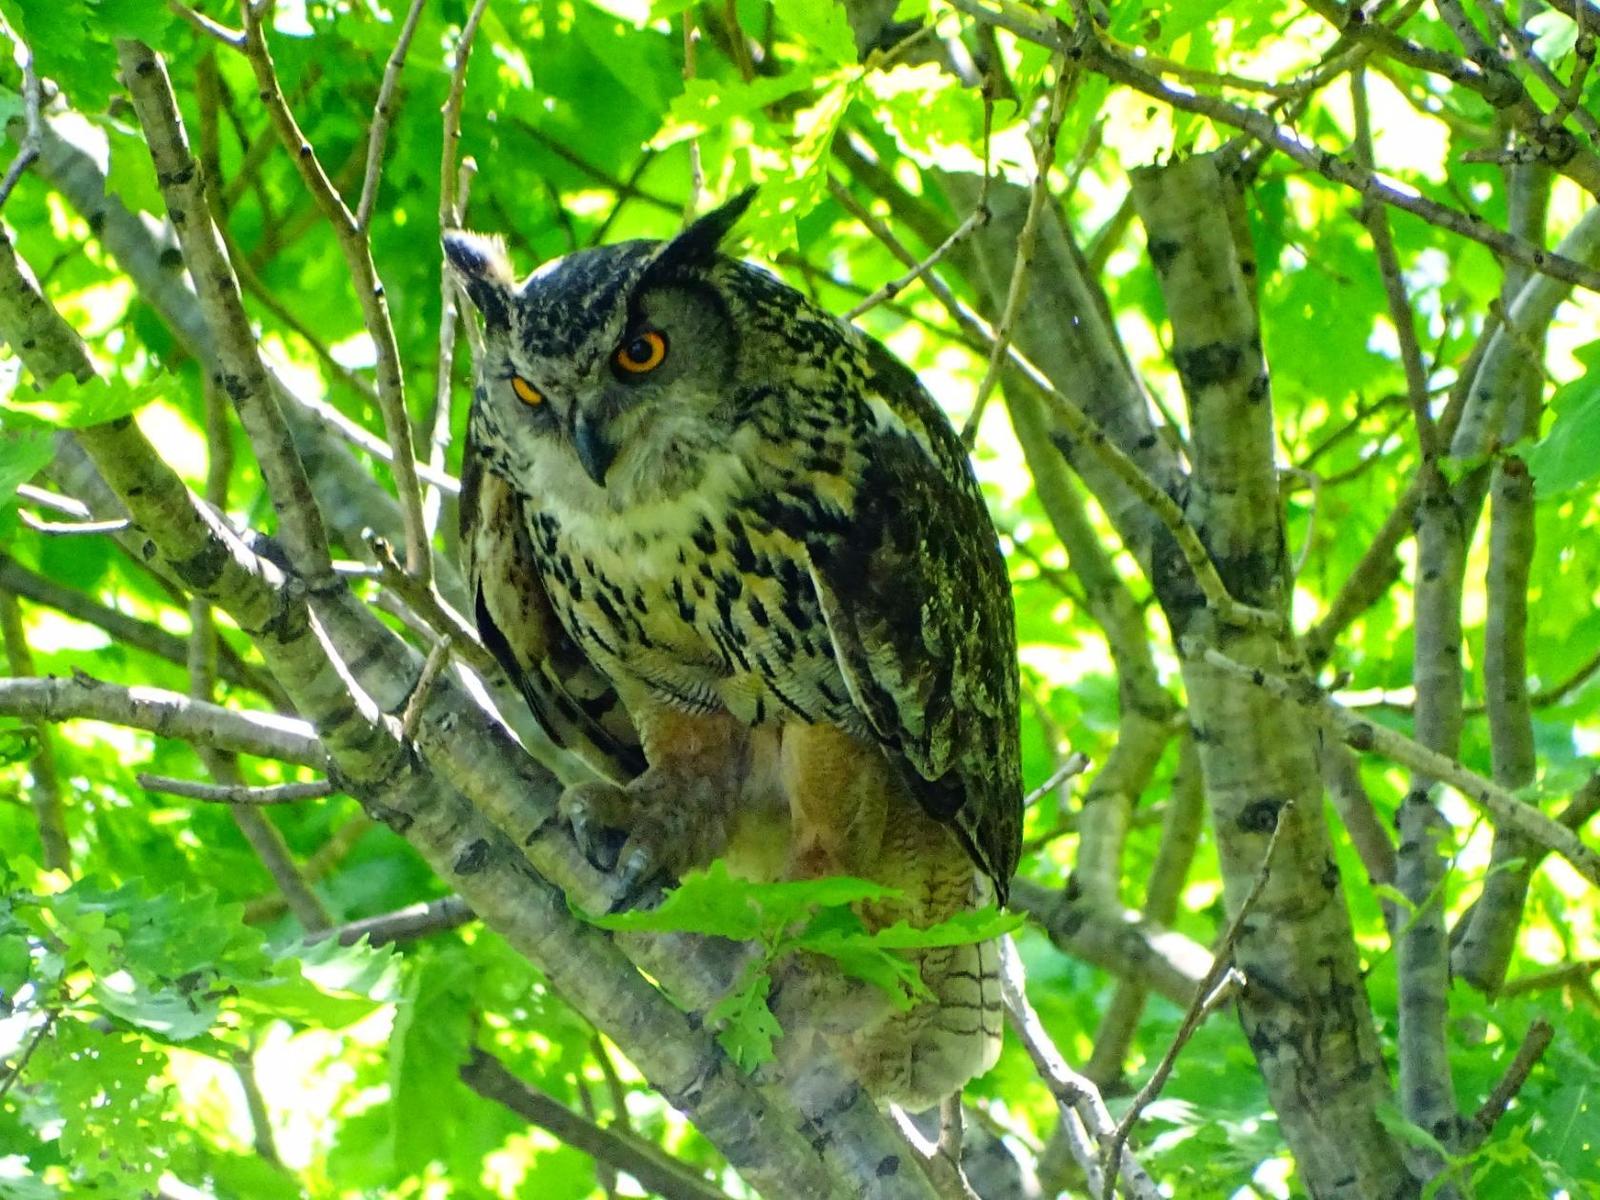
526 392
642 353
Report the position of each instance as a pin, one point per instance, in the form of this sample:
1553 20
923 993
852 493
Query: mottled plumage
736 558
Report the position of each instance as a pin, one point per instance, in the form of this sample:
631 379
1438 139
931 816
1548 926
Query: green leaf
132 176
746 1028
432 1029
839 934
962 929
823 24
138 19
714 903
16 965
73 405
1569 455
22 456
18 743
174 1013
705 103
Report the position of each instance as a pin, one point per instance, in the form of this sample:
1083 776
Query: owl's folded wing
918 606
573 701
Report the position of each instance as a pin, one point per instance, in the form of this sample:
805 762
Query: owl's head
617 360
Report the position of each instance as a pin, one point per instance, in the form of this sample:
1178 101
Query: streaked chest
700 600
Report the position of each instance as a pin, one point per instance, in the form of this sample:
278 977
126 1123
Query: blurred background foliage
166 1028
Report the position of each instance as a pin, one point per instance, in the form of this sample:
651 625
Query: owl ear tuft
483 267
696 245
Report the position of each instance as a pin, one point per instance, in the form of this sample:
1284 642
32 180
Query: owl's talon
599 844
640 871
595 812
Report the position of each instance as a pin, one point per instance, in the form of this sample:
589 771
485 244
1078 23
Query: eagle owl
735 557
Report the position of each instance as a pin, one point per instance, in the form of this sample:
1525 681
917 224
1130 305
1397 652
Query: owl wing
574 702
917 602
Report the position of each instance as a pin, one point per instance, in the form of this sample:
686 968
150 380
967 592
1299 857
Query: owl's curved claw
598 843
641 872
593 812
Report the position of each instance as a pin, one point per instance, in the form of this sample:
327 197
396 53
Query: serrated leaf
823 24
705 103
714 903
138 19
962 929
746 1027
361 969
839 934
22 456
432 1029
66 403
173 1014
1569 455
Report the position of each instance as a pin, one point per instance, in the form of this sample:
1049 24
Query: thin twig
208 26
426 602
39 1034
266 1147
417 701
72 528
56 502
975 220
658 1173
403 925
1075 764
1504 1092
697 170
1084 1118
357 250
1213 990
32 106
451 215
1556 977
1044 157
45 792
1043 30
942 1170
216 793
450 208
382 116
1376 218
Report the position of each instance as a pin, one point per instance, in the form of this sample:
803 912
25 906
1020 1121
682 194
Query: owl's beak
594 451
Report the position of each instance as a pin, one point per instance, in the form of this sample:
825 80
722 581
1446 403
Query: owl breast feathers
735 558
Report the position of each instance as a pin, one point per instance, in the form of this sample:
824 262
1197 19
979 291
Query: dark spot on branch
1203 366
473 859
1259 816
1163 252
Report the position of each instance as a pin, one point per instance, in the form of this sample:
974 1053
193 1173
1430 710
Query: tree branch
659 1174
1502 808
166 714
357 250
242 374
